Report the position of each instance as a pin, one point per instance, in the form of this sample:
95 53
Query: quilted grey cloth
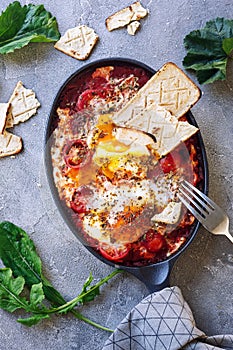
163 321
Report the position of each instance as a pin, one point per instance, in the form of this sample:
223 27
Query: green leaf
18 252
33 320
87 293
87 283
208 50
92 291
10 290
220 26
36 294
51 293
20 25
228 45
12 20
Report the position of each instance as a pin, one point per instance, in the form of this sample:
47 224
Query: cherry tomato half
76 153
79 199
168 163
154 241
114 253
88 95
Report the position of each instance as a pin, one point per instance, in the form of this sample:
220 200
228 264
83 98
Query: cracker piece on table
4 112
123 17
10 144
77 42
133 27
23 105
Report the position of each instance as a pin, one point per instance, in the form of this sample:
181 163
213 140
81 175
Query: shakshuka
119 193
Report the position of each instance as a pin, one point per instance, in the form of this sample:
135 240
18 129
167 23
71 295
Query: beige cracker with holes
77 42
169 88
23 105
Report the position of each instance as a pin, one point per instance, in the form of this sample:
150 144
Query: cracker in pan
168 131
77 42
169 88
23 105
123 17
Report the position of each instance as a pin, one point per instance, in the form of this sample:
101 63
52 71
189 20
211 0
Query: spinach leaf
208 50
20 25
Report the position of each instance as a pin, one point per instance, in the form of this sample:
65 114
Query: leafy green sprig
208 50
24 268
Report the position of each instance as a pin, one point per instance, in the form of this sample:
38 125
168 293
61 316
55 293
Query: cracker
170 215
77 42
123 17
9 144
4 108
133 27
128 136
169 88
23 105
168 131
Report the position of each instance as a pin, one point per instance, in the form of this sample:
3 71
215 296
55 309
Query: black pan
154 276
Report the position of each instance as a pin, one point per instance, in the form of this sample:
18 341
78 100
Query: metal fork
210 215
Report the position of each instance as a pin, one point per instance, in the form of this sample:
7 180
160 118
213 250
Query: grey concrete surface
204 271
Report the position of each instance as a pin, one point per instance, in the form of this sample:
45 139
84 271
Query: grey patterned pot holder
163 321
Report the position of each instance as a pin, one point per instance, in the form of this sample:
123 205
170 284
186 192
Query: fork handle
229 236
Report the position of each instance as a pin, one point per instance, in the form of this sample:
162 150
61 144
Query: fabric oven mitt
163 321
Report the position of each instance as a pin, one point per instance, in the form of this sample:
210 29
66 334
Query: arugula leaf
33 320
10 289
18 252
92 291
208 50
36 294
10 299
20 25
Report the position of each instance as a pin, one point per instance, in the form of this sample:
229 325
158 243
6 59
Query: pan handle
155 277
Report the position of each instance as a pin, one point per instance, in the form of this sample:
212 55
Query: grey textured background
204 270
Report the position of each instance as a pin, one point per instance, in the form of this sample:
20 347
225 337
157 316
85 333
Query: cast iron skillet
154 276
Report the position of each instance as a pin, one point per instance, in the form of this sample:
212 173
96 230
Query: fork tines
196 201
210 215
